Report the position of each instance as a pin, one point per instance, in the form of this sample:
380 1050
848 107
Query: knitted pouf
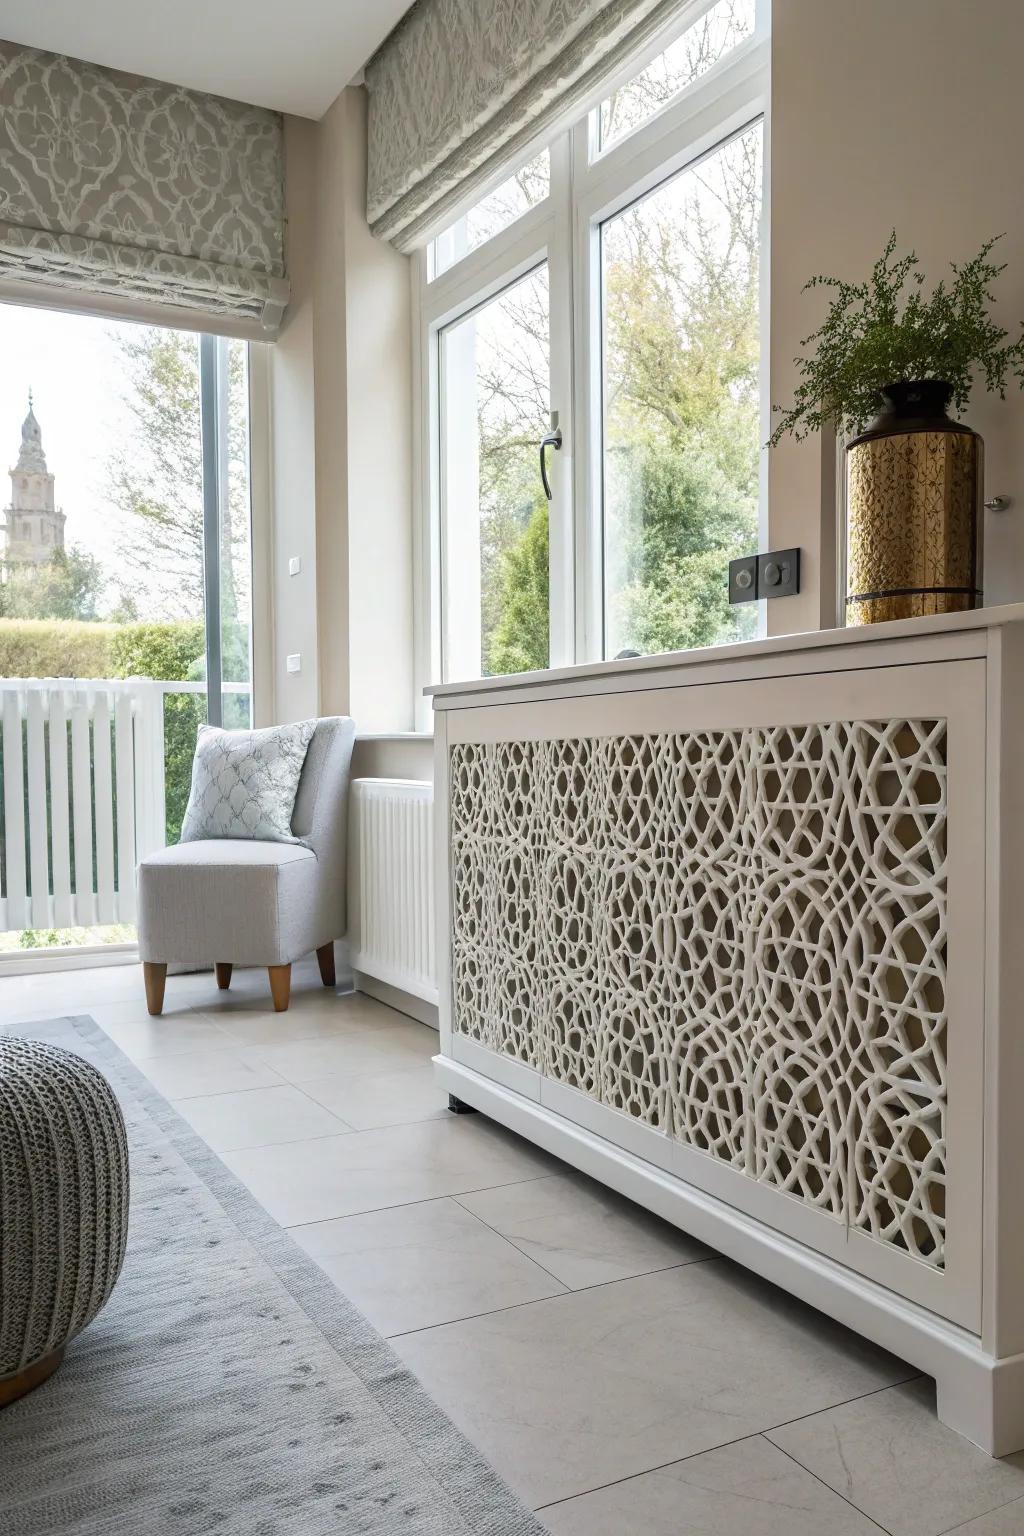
63 1205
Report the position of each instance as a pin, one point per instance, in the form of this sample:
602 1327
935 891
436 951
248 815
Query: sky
72 365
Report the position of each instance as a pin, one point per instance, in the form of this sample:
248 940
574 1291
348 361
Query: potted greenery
884 366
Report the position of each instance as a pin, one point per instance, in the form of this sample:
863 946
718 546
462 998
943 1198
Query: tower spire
31 456
32 524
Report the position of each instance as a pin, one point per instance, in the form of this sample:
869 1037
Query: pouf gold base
13 1387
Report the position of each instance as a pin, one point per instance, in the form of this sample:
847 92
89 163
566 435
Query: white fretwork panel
737 937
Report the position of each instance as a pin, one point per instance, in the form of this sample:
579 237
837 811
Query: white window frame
587 187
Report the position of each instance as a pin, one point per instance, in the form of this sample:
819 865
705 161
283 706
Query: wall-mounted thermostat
776 574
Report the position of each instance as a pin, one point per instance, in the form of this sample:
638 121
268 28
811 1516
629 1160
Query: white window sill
394 735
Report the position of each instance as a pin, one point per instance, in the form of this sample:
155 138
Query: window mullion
587 404
210 369
561 524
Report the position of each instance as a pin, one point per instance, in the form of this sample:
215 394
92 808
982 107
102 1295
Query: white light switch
293 663
294 567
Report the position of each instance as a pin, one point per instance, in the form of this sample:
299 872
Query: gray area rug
229 1389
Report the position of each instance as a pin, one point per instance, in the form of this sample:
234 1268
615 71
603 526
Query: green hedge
175 651
70 648
56 648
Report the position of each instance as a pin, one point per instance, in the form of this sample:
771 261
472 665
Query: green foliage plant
885 331
520 639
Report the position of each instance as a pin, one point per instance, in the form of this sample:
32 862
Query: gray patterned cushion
244 782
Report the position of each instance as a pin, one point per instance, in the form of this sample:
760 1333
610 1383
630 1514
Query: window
680 278
126 530
495 407
606 297
700 48
516 195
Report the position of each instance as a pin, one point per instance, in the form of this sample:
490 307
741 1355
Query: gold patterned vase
913 531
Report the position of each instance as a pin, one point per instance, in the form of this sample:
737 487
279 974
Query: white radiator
81 785
391 883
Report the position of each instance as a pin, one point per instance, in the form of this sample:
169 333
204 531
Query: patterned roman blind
114 184
461 85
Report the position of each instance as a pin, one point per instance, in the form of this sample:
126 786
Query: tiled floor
625 1380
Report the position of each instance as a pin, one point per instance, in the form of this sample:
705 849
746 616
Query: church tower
33 526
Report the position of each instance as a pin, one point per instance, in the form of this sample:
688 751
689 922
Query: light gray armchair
228 901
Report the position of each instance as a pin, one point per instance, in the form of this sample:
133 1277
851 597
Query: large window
125 582
605 295
681 450
495 407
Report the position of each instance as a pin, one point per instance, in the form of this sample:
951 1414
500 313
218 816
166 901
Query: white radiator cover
391 883
738 932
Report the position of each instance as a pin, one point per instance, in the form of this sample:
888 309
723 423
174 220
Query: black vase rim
903 392
912 405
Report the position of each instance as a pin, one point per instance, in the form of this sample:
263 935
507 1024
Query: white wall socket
293 663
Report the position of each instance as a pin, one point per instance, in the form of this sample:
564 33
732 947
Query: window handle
551 439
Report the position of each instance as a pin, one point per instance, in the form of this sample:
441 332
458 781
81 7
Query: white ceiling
293 55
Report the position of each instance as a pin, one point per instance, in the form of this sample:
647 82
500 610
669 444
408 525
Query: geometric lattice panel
738 937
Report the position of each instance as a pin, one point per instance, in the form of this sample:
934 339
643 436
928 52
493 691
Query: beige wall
341 379
291 404
380 531
331 373
885 115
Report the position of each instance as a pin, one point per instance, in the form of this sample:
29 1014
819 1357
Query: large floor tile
133 1010
372 1099
415 1266
359 1008
172 1034
581 1232
64 995
96 984
890 1456
258 1117
13 1014
369 1170
569 1394
746 1489
1007 1521
191 1073
262 1026
357 1048
255 997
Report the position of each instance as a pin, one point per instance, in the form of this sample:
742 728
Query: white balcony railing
83 799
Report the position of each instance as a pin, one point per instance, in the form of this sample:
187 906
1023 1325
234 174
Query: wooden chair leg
223 974
280 986
325 960
154 976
